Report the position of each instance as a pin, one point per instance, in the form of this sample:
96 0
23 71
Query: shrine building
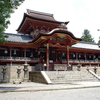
46 45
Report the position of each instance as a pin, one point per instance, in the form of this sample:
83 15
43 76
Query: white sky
82 14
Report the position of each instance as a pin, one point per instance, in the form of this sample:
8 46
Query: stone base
4 81
25 80
17 81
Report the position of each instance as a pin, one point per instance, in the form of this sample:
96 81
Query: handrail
94 74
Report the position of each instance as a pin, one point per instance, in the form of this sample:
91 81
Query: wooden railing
82 61
36 59
19 58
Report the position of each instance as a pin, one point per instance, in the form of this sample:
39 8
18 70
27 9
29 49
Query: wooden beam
59 46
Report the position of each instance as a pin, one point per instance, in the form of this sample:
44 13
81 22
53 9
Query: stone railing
19 58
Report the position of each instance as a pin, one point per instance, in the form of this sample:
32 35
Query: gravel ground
73 94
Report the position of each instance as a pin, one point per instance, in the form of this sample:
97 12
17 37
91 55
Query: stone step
70 76
65 81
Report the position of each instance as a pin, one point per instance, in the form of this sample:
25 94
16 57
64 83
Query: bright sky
82 14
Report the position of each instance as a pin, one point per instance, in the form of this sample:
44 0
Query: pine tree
86 36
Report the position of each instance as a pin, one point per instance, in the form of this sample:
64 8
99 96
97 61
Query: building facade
46 44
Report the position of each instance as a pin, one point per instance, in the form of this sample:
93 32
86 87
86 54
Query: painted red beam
59 46
50 41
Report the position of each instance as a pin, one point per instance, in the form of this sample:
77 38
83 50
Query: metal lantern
14 52
6 51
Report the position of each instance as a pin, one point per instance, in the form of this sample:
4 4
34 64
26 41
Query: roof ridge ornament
63 25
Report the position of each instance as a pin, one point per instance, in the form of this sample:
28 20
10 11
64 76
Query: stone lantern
87 68
79 67
18 80
4 74
25 72
95 70
69 67
18 72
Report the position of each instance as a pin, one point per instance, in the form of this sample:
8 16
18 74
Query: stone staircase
70 76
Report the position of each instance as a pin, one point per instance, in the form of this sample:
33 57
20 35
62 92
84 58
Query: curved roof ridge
57 30
37 12
39 16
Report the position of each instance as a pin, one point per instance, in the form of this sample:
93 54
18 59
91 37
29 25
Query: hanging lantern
63 54
14 52
31 54
6 51
38 52
79 56
89 56
73 55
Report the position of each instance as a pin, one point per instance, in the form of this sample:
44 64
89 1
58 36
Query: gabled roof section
18 38
39 16
43 16
58 30
86 45
67 36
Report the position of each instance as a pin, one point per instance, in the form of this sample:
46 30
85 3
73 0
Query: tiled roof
42 16
86 45
18 38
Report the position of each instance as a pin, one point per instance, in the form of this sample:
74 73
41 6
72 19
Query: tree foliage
86 36
6 8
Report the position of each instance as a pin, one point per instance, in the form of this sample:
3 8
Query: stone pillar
25 72
4 74
47 55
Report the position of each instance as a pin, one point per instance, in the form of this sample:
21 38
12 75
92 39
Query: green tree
6 8
86 36
99 41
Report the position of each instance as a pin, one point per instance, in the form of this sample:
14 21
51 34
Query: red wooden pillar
21 52
67 55
10 52
25 53
38 54
56 53
47 55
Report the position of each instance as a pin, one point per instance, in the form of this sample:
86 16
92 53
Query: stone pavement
32 86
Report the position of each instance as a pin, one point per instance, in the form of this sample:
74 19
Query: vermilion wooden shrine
46 43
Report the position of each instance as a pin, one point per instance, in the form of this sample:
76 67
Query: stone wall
12 72
36 76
